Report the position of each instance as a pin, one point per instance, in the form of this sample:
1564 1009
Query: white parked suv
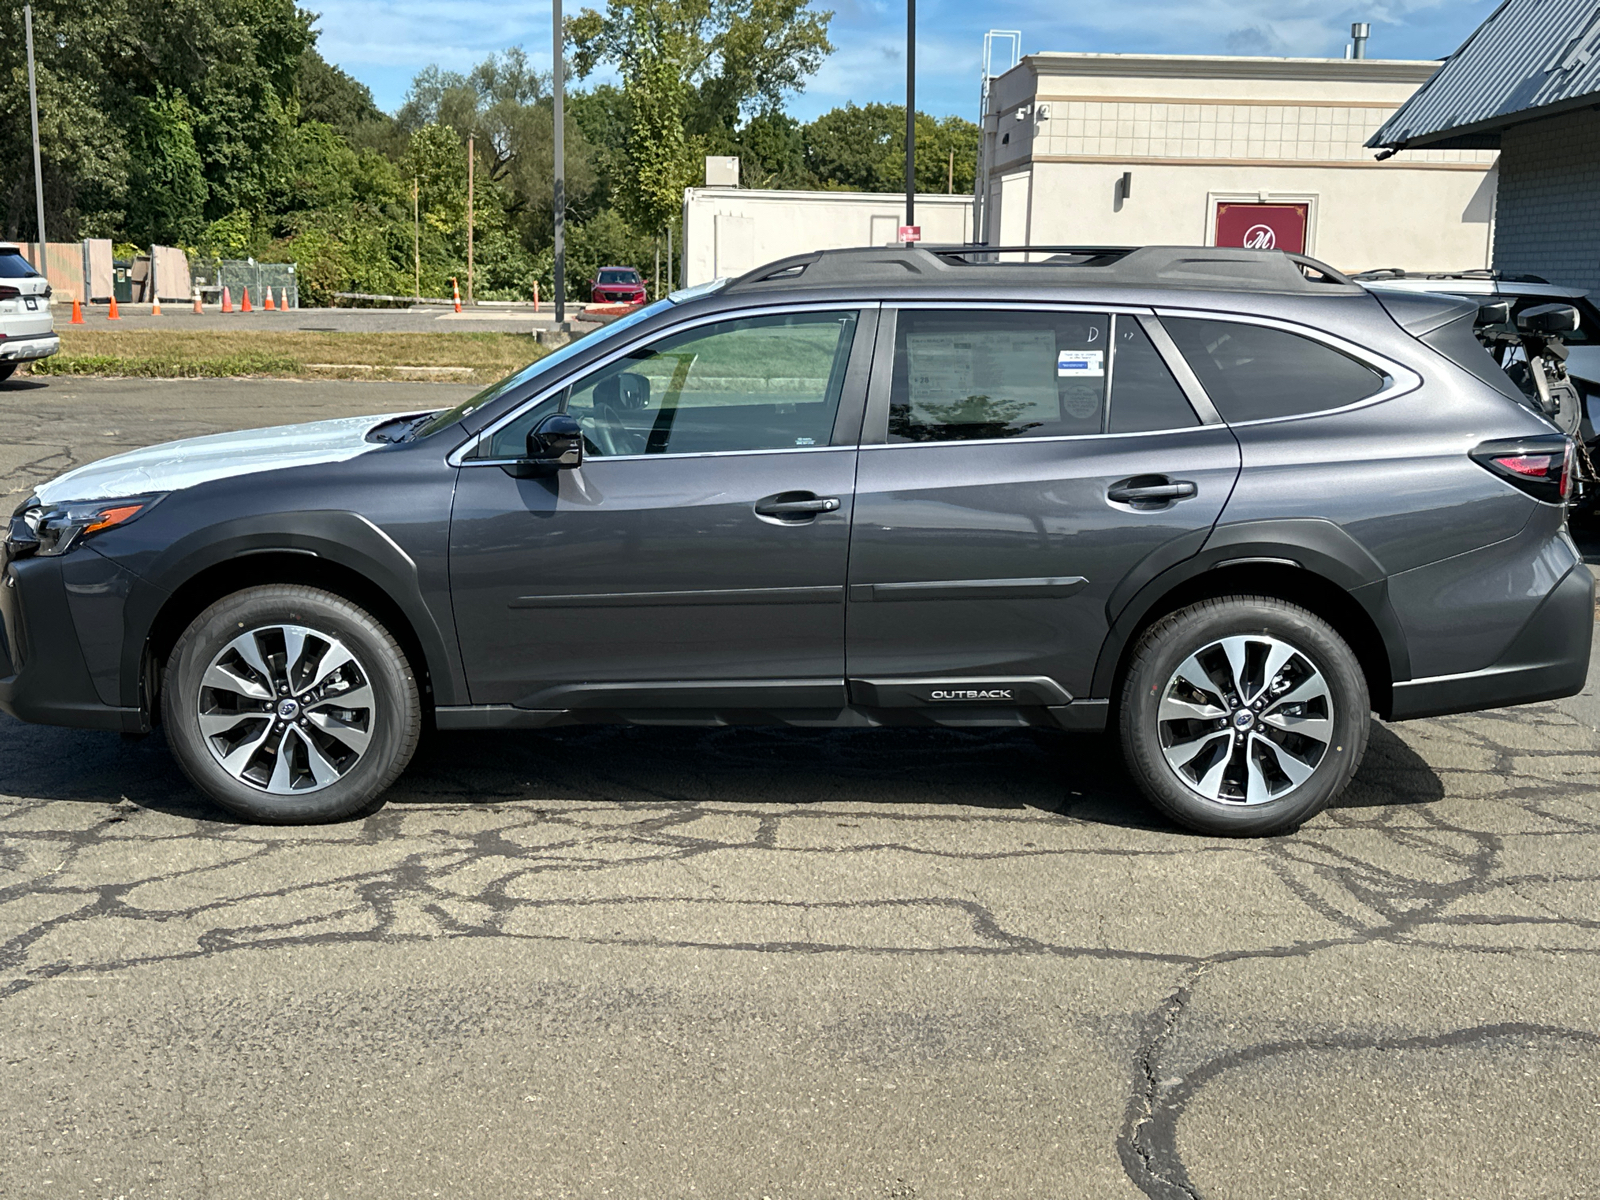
27 328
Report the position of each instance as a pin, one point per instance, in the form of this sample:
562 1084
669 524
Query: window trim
1398 380
847 420
875 428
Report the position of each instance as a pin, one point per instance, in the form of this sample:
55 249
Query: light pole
556 72
911 112
33 108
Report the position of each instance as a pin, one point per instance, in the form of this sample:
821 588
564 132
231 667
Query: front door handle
791 508
1155 491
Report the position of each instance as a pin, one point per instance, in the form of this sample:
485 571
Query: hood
174 465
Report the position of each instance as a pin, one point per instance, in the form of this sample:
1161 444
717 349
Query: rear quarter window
1256 373
14 266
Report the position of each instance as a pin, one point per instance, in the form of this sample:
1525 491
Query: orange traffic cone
455 289
227 300
269 306
155 306
244 305
198 307
113 315
77 312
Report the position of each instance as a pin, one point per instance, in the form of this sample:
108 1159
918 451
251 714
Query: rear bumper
1549 659
29 347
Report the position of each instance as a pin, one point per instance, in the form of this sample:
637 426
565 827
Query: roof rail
1213 268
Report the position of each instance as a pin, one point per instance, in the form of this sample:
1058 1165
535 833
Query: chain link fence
211 275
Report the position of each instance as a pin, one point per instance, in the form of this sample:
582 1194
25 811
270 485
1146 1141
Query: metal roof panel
1528 55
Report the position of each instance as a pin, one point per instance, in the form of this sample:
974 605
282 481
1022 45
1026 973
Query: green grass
192 354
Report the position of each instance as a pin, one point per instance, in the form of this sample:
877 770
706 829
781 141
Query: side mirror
1548 318
556 444
1494 312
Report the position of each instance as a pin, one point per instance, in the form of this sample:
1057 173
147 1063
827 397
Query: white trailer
728 231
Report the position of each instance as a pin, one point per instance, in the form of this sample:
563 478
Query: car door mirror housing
555 444
1548 318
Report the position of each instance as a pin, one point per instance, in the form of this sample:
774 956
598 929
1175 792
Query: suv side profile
1224 502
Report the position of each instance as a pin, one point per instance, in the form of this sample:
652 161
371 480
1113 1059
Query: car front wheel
290 705
1243 715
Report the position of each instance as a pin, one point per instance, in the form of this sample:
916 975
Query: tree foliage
216 125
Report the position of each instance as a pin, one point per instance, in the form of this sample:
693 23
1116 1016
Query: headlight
49 529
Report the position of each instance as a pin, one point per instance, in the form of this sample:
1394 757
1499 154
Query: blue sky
384 43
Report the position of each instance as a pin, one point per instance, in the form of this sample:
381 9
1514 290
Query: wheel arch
1312 563
346 556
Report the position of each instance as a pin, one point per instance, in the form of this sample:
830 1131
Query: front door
697 558
1016 466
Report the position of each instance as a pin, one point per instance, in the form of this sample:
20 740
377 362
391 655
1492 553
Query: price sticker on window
1083 364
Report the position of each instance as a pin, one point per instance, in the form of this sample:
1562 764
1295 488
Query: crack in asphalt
1417 853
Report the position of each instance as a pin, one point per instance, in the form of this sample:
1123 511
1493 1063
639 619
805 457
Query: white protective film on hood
174 465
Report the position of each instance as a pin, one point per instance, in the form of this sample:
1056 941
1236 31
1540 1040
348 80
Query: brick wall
1547 220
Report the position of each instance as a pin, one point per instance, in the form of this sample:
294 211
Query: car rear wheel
290 705
1243 715
5 370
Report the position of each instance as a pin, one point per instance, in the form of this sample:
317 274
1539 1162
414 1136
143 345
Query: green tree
690 69
166 180
864 149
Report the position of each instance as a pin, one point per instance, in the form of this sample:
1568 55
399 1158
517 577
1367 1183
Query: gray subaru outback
1224 502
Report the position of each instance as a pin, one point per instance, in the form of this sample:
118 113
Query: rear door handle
794 507
1152 490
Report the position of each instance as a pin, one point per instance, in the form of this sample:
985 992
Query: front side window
751 383
1254 373
969 376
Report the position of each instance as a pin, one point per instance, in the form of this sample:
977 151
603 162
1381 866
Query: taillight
1540 466
9 293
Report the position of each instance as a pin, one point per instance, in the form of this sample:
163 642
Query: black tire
5 370
1198 630
391 724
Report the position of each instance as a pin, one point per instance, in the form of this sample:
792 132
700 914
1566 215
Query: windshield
550 363
619 276
14 266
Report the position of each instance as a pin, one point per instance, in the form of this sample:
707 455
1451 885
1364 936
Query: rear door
697 557
1017 464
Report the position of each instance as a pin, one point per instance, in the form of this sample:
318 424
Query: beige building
730 230
1122 149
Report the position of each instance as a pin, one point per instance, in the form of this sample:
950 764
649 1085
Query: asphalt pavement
780 964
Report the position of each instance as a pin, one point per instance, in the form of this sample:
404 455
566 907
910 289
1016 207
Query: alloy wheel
1245 720
286 709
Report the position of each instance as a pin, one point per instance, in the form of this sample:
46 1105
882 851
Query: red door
1263 226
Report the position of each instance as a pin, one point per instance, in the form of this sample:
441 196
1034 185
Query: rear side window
970 376
1253 373
14 266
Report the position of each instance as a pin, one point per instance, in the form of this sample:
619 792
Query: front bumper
47 606
1547 660
29 347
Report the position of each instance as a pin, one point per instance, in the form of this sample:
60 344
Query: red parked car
618 285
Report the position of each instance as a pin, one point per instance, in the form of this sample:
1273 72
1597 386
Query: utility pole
657 277
911 111
469 219
38 175
557 66
950 175
416 234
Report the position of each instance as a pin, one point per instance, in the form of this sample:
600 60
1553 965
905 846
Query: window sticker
999 375
1081 364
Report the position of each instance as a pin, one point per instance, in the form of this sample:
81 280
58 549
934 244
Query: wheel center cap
288 710
1243 719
